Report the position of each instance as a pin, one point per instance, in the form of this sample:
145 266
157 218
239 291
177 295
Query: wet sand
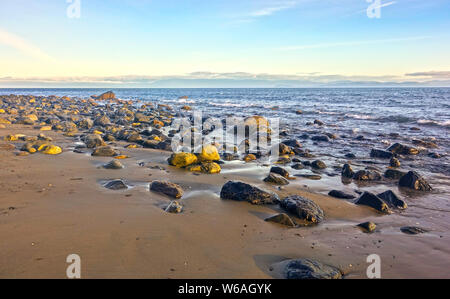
53 206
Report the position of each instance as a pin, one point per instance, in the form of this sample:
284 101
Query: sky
226 43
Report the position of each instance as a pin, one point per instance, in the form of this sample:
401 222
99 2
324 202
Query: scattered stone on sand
114 164
381 154
413 180
373 201
240 191
116 185
394 162
167 188
104 151
276 179
347 171
401 149
174 207
182 159
368 227
303 208
392 200
413 230
310 269
280 171
340 194
282 219
205 167
393 174
318 164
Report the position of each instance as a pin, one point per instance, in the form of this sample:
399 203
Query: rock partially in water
114 164
105 151
393 174
167 188
314 177
381 154
281 171
116 185
413 180
368 226
182 159
401 149
209 153
292 143
282 219
347 171
174 207
240 191
392 200
322 138
340 194
413 230
373 201
276 179
318 164
303 208
394 162
205 167
310 269
367 175
298 166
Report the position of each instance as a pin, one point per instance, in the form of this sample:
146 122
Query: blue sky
123 42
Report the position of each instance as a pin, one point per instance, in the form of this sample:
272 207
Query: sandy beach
52 206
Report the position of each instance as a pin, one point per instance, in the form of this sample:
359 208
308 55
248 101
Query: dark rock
284 149
276 179
393 174
240 191
310 269
303 208
318 164
340 194
413 230
282 219
323 138
281 171
102 121
116 185
292 143
167 188
401 149
318 122
371 200
381 154
367 175
368 226
414 181
350 156
174 207
347 171
394 162
298 166
392 200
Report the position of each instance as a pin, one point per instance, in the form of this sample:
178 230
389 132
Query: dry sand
53 206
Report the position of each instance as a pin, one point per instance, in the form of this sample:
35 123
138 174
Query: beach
54 201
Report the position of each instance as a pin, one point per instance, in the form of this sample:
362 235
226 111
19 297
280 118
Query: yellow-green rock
205 167
52 150
182 159
209 153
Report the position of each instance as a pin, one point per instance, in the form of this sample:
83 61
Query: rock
249 158
93 141
292 143
373 201
276 179
318 164
413 180
310 269
104 151
350 156
381 154
102 121
229 157
340 194
114 164
322 138
401 149
51 150
368 226
174 207
367 175
205 167
182 159
393 174
109 95
116 185
347 171
85 123
209 153
314 177
318 122
392 200
298 166
282 219
167 188
281 171
303 208
394 162
240 191
283 149
298 112
413 230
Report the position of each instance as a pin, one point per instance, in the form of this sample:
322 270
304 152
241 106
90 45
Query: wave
434 122
359 116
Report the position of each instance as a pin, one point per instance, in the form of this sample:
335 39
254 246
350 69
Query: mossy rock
182 159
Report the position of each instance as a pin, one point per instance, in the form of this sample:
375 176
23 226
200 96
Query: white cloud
267 11
20 44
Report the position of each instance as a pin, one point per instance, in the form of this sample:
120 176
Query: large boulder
413 180
167 188
303 208
109 95
373 201
310 269
182 159
240 191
